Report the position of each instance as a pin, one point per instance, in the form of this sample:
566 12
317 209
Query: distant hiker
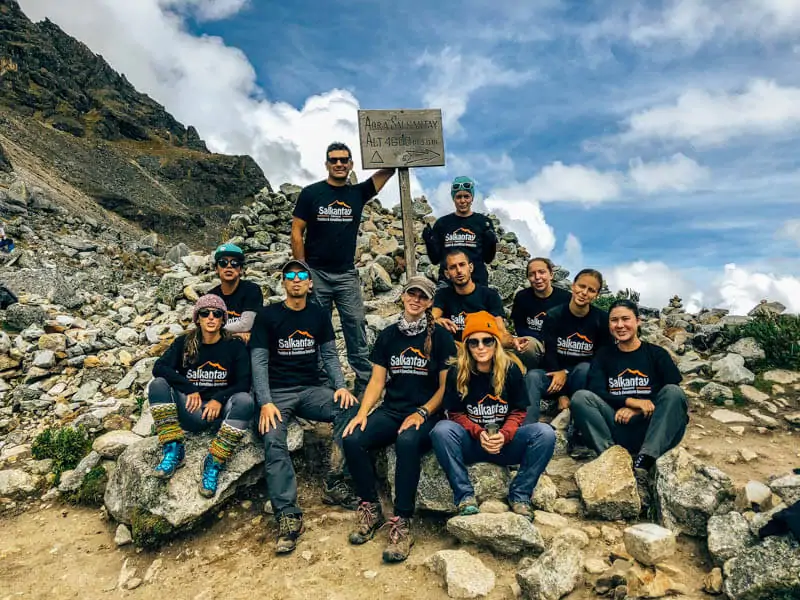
201 382
243 298
486 402
413 354
531 305
572 334
329 214
633 398
7 297
463 230
6 243
288 340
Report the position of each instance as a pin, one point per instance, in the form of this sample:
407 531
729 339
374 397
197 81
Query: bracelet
422 412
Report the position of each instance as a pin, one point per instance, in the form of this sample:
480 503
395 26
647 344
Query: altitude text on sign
401 138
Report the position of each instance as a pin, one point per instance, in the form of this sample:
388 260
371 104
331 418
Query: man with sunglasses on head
328 214
462 230
289 338
243 298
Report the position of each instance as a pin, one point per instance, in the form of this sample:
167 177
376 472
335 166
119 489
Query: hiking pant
344 290
594 417
314 404
533 355
537 382
410 446
531 448
236 412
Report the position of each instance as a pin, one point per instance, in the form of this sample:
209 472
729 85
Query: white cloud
741 289
206 10
791 230
703 118
655 282
514 206
572 255
678 173
570 183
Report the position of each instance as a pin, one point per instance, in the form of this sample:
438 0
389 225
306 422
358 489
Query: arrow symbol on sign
415 156
376 158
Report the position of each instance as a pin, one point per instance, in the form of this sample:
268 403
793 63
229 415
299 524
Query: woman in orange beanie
486 402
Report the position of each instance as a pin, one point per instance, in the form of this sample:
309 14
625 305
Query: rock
86 392
506 533
77 244
769 570
781 376
380 279
723 415
650 583
127 336
728 535
465 575
607 486
749 349
44 359
767 308
57 342
177 252
195 263
731 369
170 288
595 566
15 482
112 444
547 519
764 420
688 492
494 507
649 543
72 481
568 506
123 535
751 394
615 576
714 392
555 573
712 582
545 494
18 316
754 496
787 487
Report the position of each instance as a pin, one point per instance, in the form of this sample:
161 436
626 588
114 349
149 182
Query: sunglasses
466 186
338 159
487 342
292 275
224 262
205 312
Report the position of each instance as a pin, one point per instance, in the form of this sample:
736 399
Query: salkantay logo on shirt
536 323
298 343
410 361
461 237
214 376
629 383
233 317
336 212
459 320
488 409
575 344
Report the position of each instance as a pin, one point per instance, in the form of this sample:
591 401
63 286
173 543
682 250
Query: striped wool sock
166 421
227 439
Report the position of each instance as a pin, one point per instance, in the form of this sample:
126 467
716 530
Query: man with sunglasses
328 214
289 338
462 230
243 298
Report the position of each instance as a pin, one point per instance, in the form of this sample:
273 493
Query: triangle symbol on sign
376 158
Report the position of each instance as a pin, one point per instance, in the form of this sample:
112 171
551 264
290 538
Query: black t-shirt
528 310
481 404
219 371
332 215
247 297
569 340
616 375
293 339
412 378
456 307
467 234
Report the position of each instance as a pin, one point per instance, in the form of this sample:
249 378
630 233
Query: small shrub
65 445
139 403
778 335
696 385
149 530
92 489
605 302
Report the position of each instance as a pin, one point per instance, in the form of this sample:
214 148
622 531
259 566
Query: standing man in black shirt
328 213
243 298
463 230
531 305
288 340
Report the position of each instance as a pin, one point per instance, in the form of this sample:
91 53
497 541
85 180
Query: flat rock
782 376
787 487
753 395
769 570
723 415
728 535
754 496
72 480
548 519
545 493
494 507
506 533
465 575
556 572
122 537
113 443
607 486
15 482
649 543
713 392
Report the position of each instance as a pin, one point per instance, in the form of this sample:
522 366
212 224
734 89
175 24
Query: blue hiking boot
172 457
211 469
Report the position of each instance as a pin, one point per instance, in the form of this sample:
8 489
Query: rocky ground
97 306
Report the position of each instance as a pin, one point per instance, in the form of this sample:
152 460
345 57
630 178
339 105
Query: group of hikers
449 375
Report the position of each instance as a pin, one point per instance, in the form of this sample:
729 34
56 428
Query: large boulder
465 575
112 444
688 492
728 535
787 487
506 533
15 482
731 369
47 283
767 571
649 543
607 486
749 349
556 572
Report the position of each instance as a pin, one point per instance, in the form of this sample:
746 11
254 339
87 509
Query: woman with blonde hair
486 402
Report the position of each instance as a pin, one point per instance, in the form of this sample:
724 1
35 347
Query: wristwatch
423 412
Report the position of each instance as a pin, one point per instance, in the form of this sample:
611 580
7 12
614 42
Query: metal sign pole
407 212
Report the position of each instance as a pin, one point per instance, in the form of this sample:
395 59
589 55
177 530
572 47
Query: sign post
402 139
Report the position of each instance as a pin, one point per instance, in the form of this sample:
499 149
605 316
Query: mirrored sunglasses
292 275
466 186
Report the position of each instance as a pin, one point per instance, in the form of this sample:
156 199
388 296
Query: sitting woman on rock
486 402
633 397
413 354
201 382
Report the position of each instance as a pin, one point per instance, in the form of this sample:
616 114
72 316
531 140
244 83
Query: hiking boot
172 455
369 518
290 527
642 477
339 493
522 508
211 469
400 540
468 506
582 453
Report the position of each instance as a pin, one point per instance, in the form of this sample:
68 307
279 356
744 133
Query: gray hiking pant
537 381
344 290
314 404
237 411
594 417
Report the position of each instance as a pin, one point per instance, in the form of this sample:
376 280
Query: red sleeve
513 421
471 426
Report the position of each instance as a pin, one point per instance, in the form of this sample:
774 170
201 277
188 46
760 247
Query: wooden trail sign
402 139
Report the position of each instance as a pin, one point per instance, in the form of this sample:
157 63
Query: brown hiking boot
290 527
522 508
369 519
400 540
643 487
337 492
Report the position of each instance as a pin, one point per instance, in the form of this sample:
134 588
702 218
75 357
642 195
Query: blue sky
656 141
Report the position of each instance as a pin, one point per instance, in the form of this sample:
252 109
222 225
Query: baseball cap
295 262
229 249
421 283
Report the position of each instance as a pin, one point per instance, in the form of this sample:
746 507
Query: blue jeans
537 382
344 290
531 448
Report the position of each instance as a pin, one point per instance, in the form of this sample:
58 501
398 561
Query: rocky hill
64 110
